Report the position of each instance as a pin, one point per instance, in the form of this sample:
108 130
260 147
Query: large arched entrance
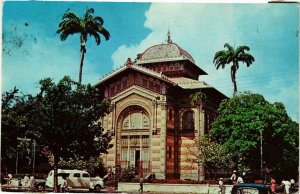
134 138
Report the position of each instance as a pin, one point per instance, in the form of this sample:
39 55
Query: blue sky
34 51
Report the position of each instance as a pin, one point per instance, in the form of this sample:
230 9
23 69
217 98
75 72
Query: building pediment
135 91
135 97
134 67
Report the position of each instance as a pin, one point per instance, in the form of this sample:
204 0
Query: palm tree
88 25
233 56
197 99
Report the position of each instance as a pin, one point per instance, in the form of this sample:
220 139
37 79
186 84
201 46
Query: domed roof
164 52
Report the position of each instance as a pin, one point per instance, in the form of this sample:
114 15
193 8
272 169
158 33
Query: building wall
169 144
154 105
170 169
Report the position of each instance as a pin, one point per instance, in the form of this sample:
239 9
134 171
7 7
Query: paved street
107 189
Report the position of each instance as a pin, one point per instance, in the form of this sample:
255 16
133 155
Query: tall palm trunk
82 53
233 78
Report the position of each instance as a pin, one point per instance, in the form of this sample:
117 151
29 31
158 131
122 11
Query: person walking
292 185
26 181
233 177
221 186
63 186
32 182
287 185
240 180
273 185
9 180
141 185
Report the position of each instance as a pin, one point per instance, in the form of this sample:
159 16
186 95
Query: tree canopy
88 25
198 98
12 122
66 117
208 154
63 118
244 120
231 55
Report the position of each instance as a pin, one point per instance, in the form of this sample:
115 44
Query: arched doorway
134 137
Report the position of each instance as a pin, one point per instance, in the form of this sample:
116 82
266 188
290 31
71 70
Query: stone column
201 133
141 143
128 151
141 158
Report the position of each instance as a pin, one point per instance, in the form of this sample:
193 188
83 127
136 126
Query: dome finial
169 36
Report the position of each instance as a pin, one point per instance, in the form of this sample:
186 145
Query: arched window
136 118
188 121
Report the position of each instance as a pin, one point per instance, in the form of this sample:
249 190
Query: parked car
77 180
251 188
96 184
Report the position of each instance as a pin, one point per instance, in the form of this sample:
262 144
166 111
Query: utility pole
33 162
261 154
17 157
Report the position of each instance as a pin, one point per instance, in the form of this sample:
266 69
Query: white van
76 180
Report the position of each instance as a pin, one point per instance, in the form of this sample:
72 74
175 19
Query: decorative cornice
134 66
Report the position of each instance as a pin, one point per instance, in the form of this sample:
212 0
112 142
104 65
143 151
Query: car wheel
97 188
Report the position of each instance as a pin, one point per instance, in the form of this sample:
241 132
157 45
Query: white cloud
203 29
195 27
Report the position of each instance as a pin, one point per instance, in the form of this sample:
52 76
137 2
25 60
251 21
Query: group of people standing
29 181
286 186
235 180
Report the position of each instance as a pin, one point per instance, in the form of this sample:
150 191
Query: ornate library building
153 121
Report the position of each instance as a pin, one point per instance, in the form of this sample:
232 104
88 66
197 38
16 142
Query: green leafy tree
233 56
198 98
244 120
208 153
88 25
9 125
63 118
13 120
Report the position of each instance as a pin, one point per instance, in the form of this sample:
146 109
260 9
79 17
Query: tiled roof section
111 74
164 52
187 83
137 68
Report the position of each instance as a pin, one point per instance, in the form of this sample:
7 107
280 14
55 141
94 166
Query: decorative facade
153 122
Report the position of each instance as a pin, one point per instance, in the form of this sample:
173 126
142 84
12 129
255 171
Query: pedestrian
239 180
19 181
273 185
292 185
9 179
141 185
152 176
26 181
32 182
233 177
63 185
287 185
221 186
244 177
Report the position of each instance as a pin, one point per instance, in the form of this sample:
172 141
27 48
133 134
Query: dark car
251 188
